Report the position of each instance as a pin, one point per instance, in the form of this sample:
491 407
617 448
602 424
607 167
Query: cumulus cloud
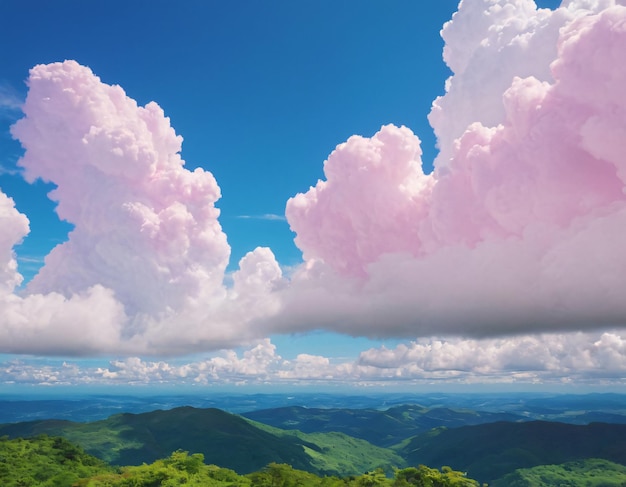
520 227
147 253
579 358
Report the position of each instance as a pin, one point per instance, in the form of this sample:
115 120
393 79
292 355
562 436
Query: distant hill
581 473
486 452
489 451
224 439
382 428
566 408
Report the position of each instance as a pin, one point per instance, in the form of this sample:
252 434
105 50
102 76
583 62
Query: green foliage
581 473
380 428
490 451
179 468
46 462
55 462
424 476
224 439
340 454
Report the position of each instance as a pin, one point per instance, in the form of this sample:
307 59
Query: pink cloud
520 228
14 228
145 227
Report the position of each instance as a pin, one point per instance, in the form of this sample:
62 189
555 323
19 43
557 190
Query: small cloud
11 100
31 260
265 216
11 171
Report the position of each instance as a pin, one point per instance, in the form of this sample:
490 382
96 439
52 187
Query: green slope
331 453
55 462
224 439
583 473
45 462
380 427
490 451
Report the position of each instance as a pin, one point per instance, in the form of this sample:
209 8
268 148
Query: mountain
382 428
489 451
225 439
55 462
566 408
582 473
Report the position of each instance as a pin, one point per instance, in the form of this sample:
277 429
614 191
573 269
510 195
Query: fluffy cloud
15 227
147 253
144 225
520 228
594 358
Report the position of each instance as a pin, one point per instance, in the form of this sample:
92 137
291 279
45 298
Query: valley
489 437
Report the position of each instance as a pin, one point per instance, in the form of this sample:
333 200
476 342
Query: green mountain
225 439
490 451
582 473
380 427
55 462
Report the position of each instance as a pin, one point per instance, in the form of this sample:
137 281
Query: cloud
265 216
145 227
519 229
147 253
15 226
584 359
10 101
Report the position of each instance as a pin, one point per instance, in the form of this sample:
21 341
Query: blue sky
262 93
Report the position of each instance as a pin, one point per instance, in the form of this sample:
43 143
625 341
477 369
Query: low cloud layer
519 229
579 359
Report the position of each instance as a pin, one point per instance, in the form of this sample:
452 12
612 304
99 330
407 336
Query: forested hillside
224 439
582 473
486 452
380 427
489 451
54 462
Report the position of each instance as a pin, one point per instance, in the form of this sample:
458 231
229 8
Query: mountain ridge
225 439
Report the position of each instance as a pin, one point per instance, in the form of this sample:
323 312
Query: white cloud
581 358
10 101
265 216
520 230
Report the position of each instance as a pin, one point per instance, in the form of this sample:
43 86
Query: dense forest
55 462
46 461
401 446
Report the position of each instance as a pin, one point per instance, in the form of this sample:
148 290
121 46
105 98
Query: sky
347 196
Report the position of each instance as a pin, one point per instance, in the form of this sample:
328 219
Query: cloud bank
579 359
520 227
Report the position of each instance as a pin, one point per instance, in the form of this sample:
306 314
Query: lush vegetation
500 453
379 427
582 473
490 451
46 462
55 462
224 439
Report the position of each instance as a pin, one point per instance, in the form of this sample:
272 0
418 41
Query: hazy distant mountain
383 428
489 451
225 439
486 451
567 408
